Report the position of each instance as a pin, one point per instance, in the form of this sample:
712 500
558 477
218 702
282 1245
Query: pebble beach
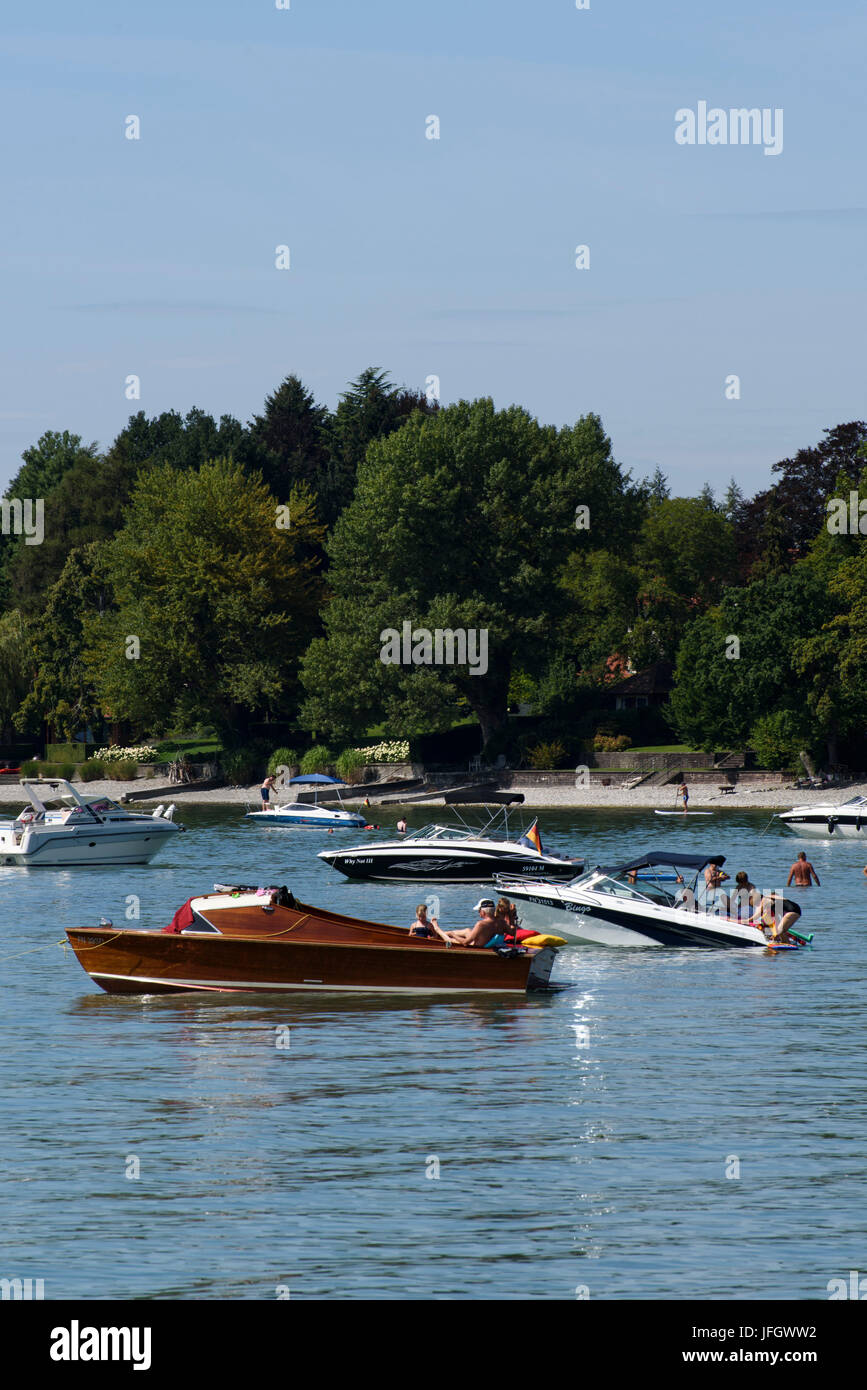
774 797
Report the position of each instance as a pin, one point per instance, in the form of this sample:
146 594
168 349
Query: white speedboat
65 829
311 814
845 820
453 854
657 900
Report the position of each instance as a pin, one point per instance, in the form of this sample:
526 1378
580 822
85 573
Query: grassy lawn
198 750
666 748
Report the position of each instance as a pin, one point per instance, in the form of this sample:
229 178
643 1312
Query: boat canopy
670 859
316 779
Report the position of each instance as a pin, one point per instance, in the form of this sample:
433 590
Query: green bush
317 759
30 769
606 743
242 766
546 755
778 738
282 757
92 771
67 770
48 769
123 771
349 765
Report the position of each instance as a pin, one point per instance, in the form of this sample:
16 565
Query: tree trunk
488 697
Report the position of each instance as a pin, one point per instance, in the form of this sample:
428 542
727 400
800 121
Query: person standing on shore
803 873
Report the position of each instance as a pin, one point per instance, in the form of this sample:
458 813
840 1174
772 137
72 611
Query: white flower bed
142 754
395 751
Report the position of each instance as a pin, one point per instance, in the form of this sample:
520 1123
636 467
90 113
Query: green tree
220 598
461 520
17 665
290 442
725 687
686 555
61 694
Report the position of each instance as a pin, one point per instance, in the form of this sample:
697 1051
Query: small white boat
65 829
305 813
310 814
845 820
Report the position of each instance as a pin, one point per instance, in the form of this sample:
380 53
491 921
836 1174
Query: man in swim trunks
683 793
265 792
803 873
482 931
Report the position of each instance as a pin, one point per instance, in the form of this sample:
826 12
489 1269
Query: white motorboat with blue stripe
309 813
659 899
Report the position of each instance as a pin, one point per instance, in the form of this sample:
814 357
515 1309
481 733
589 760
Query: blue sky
454 257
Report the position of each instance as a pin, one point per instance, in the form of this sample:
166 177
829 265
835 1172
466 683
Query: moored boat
454 854
247 939
846 820
658 899
62 828
309 814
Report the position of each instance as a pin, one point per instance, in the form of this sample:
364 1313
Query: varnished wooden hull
144 962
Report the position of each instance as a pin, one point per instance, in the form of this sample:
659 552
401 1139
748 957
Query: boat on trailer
263 940
454 854
659 899
62 829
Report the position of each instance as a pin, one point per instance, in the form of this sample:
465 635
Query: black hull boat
452 854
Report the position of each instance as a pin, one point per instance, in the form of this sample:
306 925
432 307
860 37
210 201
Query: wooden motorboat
238 939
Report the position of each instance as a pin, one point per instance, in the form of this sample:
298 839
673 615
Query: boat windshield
855 801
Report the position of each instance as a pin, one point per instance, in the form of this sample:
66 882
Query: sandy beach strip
595 797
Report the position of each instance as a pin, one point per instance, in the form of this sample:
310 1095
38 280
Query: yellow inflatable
544 941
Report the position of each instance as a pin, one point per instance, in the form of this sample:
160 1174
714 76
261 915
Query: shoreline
592 798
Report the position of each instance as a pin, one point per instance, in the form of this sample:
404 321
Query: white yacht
657 900
64 829
846 820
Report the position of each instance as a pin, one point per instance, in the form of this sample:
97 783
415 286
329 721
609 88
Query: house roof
657 679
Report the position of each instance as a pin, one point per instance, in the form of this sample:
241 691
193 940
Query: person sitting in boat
776 915
482 931
746 898
506 916
426 926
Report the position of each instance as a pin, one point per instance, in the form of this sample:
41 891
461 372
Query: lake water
312 1167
